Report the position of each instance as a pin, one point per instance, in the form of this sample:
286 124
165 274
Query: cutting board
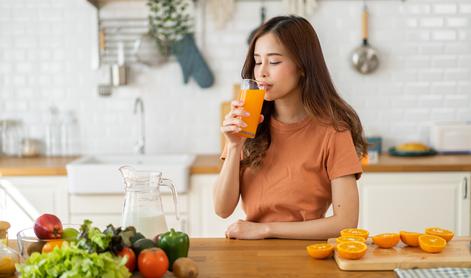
456 254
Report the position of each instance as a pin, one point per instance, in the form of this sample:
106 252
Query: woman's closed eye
271 63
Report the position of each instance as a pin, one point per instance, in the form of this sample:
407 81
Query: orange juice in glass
252 95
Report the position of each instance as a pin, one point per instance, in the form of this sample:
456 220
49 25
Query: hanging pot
365 58
146 51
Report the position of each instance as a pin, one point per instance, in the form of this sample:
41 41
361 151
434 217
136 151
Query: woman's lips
265 86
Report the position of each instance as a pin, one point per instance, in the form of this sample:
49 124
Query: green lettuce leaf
73 262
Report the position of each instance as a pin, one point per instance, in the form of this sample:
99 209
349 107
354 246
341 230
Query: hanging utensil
146 51
262 20
365 58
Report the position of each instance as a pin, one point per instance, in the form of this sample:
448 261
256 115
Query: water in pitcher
148 224
142 203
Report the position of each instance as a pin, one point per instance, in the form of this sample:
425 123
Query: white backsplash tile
46 59
445 8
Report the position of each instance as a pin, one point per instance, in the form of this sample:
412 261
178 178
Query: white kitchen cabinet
25 198
203 220
104 209
390 202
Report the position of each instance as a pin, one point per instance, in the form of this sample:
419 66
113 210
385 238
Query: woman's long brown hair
318 93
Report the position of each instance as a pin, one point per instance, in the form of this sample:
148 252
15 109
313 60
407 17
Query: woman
306 154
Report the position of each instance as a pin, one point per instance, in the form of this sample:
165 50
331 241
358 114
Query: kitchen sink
95 174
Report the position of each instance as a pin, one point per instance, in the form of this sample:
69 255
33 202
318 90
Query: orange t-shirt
294 181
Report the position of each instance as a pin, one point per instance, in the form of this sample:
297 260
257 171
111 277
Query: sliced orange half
349 238
410 238
431 244
354 232
386 240
351 250
435 231
320 250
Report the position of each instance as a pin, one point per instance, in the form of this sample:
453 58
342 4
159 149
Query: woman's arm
345 205
226 189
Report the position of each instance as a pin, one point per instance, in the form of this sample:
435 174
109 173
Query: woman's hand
233 123
247 230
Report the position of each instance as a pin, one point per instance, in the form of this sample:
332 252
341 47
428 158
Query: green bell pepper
175 244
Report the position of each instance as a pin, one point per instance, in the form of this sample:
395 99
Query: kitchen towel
192 62
441 272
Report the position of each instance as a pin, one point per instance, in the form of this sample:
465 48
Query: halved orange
349 238
320 250
435 231
354 232
410 238
431 244
386 240
351 250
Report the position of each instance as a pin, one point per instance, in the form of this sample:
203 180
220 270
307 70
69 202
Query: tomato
127 252
50 245
153 263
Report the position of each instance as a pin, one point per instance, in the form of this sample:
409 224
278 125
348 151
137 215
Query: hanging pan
365 58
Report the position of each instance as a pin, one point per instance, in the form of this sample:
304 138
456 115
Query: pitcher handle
169 183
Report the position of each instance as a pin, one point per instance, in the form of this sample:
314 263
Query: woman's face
274 67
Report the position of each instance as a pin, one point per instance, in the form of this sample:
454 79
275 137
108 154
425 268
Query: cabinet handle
465 188
183 225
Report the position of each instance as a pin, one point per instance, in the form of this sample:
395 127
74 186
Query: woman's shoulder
327 127
328 131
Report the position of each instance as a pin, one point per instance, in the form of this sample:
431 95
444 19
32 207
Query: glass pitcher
142 204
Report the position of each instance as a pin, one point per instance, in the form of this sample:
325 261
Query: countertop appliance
451 137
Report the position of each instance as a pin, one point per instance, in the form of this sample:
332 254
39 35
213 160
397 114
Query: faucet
141 140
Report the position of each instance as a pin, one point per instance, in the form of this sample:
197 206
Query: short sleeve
342 158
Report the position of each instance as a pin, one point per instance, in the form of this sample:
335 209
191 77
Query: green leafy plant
72 261
92 255
169 21
92 239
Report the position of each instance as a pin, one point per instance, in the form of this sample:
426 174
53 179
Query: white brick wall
46 57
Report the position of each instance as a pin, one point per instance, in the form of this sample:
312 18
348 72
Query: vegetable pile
113 252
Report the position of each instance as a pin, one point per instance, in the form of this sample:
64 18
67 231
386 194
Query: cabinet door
103 220
46 194
104 209
98 220
390 202
203 220
30 197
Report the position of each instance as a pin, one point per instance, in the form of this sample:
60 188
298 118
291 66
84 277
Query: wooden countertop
264 258
219 257
448 163
206 164
211 164
37 166
55 166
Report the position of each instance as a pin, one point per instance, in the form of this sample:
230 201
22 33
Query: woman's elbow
347 221
351 223
222 211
